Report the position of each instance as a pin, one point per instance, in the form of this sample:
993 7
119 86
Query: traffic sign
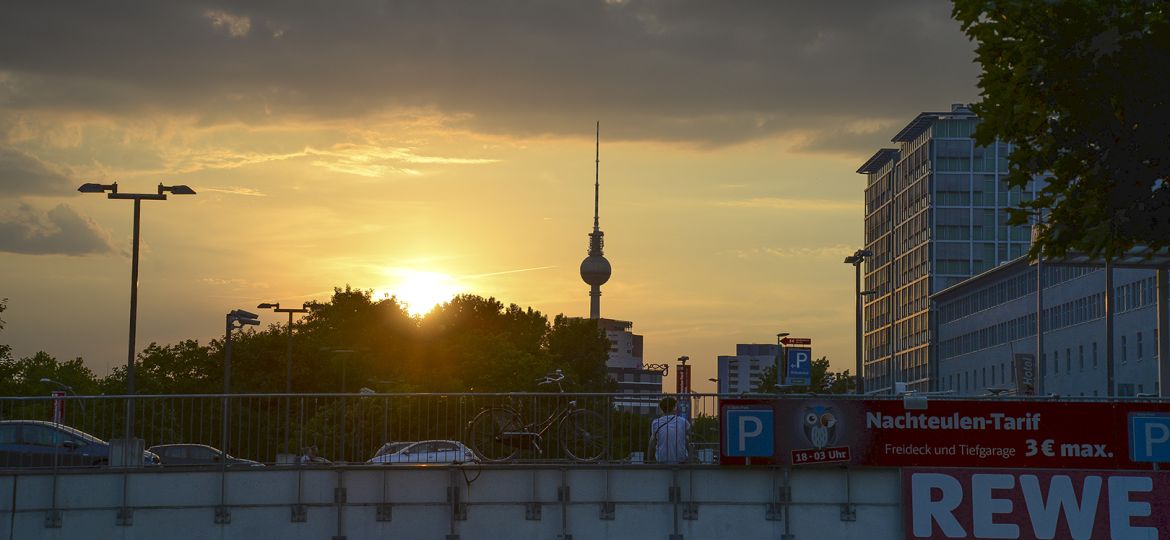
748 433
796 341
1149 438
799 366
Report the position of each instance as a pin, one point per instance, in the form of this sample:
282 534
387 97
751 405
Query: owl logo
820 426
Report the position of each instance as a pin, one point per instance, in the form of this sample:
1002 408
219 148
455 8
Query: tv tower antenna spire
595 269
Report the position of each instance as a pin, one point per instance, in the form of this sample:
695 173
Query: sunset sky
438 147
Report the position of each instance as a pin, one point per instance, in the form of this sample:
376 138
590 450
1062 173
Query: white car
429 452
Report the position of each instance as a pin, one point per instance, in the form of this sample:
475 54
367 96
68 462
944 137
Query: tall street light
236 319
779 353
111 191
275 306
345 355
856 259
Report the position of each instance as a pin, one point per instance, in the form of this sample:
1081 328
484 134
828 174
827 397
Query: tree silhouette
1079 90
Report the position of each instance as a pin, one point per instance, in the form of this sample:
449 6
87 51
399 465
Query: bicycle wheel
583 435
486 434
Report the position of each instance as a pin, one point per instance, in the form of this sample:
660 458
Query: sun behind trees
470 344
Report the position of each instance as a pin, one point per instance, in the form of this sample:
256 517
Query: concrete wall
510 502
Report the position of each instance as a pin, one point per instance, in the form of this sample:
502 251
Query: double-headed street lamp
111 191
275 306
856 259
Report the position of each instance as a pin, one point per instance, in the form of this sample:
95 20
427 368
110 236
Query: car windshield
78 433
392 448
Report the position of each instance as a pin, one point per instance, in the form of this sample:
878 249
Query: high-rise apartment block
935 214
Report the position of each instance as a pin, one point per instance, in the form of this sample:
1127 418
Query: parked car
429 452
196 454
392 447
36 443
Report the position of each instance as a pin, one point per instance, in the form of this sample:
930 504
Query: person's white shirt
669 434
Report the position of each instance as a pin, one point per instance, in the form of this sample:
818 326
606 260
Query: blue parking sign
748 433
799 366
1149 438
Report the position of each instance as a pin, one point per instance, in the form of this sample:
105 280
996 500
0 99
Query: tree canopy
468 344
1079 88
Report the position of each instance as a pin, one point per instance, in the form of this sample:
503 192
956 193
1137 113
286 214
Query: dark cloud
60 231
709 72
22 174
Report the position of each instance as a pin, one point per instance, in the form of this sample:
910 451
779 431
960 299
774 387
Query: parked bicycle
499 433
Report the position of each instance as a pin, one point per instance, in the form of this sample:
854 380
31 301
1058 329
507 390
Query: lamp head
269 305
178 189
91 187
241 315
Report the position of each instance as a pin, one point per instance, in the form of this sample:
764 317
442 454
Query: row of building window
1008 290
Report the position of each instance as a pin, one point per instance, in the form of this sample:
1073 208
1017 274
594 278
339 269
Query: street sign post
796 341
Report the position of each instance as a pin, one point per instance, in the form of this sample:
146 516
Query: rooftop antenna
595 269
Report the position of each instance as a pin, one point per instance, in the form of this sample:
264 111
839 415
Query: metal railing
351 428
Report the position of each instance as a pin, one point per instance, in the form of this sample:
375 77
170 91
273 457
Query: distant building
742 372
641 388
984 321
935 214
625 347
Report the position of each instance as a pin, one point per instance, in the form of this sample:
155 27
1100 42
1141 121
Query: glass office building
935 215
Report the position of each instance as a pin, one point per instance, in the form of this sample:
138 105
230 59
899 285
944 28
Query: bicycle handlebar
555 377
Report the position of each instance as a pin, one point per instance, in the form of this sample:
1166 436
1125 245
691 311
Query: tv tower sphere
595 270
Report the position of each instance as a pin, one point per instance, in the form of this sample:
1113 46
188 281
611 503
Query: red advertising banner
682 381
58 406
1035 504
946 433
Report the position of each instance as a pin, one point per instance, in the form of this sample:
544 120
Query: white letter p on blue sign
748 432
1149 437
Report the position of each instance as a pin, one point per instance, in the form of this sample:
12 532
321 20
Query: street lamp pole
343 404
237 318
111 191
779 353
275 306
856 259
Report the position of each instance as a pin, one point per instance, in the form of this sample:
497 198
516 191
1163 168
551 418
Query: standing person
668 433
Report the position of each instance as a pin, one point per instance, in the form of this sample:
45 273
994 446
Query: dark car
36 443
196 454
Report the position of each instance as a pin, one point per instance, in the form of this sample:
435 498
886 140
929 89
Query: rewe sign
1035 504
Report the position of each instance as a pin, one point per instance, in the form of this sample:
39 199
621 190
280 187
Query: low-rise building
983 322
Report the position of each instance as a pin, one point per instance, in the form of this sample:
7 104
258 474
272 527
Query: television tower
595 269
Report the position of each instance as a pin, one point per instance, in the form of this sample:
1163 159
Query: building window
1056 361
1094 357
1124 350
1081 356
1068 360
1139 346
